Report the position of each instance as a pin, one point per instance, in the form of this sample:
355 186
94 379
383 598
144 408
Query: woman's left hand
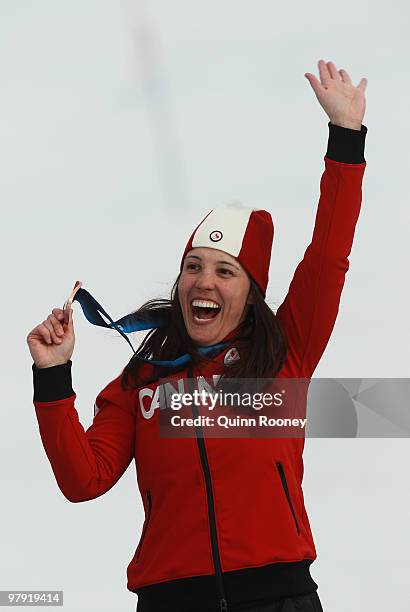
344 103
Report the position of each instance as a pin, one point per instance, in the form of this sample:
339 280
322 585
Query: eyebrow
218 262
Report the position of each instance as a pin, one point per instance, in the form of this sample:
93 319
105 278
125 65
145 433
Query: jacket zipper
223 604
144 531
286 489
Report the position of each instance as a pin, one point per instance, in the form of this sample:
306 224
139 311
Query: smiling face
213 291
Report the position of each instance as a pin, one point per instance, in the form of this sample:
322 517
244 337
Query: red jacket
225 519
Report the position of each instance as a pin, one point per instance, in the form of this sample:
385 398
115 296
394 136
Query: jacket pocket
145 527
286 490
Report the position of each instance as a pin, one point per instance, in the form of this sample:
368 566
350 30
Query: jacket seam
55 401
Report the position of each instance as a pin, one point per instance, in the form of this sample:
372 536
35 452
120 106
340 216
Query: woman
225 523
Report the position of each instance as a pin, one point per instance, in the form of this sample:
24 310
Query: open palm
343 102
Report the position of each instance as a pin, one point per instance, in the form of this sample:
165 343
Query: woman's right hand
52 341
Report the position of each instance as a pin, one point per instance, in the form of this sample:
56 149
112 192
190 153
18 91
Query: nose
205 280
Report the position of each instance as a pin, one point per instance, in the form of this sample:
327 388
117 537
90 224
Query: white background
121 125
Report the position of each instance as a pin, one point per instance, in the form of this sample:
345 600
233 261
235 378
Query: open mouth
204 310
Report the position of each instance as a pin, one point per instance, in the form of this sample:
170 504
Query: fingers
52 335
58 328
328 71
67 317
334 74
324 73
316 85
45 333
58 312
60 315
345 77
52 329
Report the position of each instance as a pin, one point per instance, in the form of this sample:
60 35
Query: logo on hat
216 236
231 356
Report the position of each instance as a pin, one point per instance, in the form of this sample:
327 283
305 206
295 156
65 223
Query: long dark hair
261 333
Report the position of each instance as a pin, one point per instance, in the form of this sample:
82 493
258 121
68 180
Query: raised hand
343 102
52 341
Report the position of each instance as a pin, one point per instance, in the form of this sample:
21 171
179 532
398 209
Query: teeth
205 304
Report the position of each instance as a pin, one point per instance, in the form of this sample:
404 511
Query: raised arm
309 310
86 464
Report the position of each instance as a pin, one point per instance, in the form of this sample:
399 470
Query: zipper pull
223 605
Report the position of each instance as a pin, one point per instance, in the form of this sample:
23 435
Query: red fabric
254 524
256 248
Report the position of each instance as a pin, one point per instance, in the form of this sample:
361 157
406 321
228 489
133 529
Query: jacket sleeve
86 464
308 312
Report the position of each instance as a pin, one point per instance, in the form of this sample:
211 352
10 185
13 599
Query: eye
226 272
191 266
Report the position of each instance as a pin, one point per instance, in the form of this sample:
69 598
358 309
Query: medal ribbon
134 322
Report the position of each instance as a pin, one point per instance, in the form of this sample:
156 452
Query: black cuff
346 145
52 383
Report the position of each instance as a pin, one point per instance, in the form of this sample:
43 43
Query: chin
203 339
